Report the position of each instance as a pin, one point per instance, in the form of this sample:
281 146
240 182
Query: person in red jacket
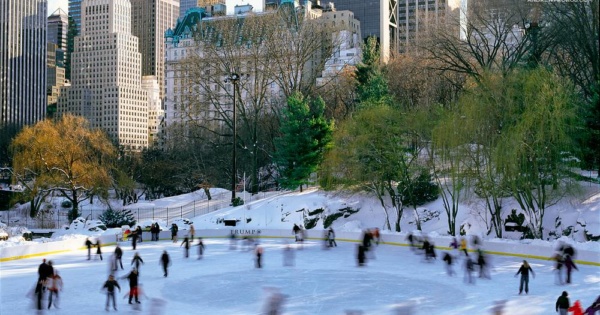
576 308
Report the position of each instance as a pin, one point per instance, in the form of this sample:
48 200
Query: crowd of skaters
49 280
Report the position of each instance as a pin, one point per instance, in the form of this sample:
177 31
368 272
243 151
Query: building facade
58 23
75 13
149 21
106 86
22 62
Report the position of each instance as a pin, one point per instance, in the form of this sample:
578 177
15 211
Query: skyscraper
106 75
22 61
58 22
150 19
75 13
187 4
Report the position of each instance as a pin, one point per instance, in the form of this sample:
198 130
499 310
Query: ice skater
138 232
524 270
109 286
463 246
469 269
174 229
569 266
563 304
136 261
498 308
558 258
360 255
98 248
331 237
40 288
576 309
45 270
133 278
186 246
118 257
258 251
595 307
448 260
165 262
89 244
54 285
200 248
483 265
192 232
274 302
134 238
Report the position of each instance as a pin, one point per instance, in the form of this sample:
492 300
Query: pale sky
64 4
55 4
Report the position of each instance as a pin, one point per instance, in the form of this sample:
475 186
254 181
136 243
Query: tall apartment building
75 13
106 86
415 16
22 62
149 21
58 23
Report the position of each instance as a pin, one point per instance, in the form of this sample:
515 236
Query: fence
59 217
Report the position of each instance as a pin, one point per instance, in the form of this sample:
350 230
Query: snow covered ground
321 281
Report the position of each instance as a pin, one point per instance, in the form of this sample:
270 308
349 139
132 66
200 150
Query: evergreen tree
116 218
305 135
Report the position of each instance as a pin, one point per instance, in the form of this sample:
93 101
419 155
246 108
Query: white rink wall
531 249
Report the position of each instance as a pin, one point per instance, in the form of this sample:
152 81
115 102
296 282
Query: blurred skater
595 307
139 232
563 304
469 269
258 251
200 248
331 237
448 260
569 266
192 232
558 258
54 284
296 232
118 257
88 244
483 264
110 285
40 288
136 261
134 238
274 302
165 262
174 229
186 246
524 270
133 277
463 246
45 270
361 256
576 309
98 248
288 256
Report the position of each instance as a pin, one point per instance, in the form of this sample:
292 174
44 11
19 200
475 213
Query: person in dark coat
165 262
469 268
136 261
524 271
449 260
118 257
482 262
186 246
45 271
98 248
110 285
366 240
569 266
563 304
258 251
39 293
361 255
88 244
138 232
133 278
296 231
200 248
134 238
174 229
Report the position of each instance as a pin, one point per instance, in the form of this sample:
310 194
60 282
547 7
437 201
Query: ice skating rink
225 281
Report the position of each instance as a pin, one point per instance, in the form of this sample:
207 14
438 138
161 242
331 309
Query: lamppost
234 78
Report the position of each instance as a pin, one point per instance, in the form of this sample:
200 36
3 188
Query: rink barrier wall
499 247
